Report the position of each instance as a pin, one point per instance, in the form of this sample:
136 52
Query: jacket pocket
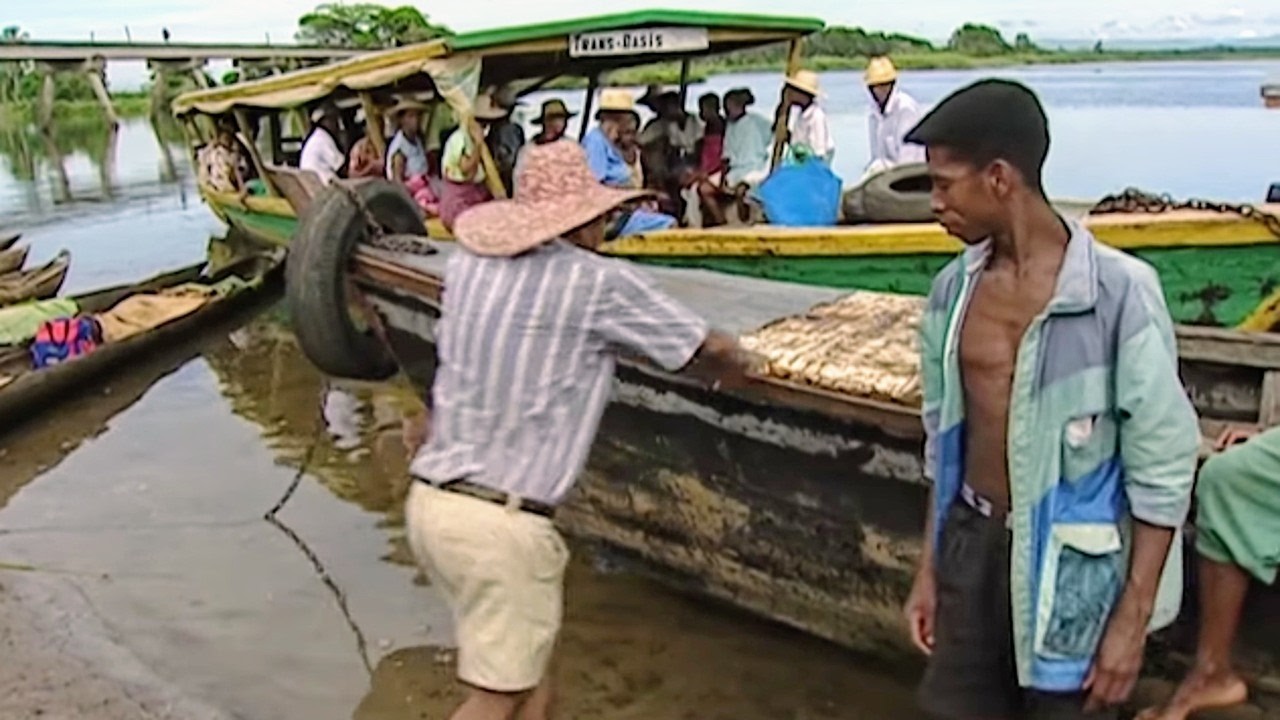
1079 582
1088 441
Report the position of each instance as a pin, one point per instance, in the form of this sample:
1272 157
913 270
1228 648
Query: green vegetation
366 25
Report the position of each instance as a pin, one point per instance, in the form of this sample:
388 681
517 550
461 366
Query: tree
366 25
11 73
978 40
1022 43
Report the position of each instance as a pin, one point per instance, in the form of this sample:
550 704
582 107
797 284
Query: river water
146 495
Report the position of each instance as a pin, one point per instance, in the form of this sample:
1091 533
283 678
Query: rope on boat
1133 200
362 645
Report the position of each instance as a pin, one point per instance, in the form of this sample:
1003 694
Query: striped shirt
527 347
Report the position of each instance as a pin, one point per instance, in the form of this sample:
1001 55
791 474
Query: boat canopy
455 67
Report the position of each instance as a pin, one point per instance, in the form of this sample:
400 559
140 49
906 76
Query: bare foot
1200 690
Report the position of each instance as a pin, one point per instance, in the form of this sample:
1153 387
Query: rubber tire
316 270
899 194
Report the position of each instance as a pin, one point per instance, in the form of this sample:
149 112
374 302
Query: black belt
497 497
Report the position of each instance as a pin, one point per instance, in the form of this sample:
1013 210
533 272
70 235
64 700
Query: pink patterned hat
555 193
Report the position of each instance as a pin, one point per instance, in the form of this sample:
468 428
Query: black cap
991 119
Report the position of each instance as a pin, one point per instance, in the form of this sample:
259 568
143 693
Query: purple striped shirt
527 348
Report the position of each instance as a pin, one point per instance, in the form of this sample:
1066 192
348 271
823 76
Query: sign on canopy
638 41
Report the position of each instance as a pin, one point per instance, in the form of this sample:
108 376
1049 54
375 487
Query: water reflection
32 154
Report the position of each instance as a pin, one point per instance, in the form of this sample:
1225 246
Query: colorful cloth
1100 432
64 339
217 168
20 323
420 188
1238 506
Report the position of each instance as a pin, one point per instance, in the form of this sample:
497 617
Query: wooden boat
1219 269
7 239
24 391
36 284
801 504
13 259
1271 93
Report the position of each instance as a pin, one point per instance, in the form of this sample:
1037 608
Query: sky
276 20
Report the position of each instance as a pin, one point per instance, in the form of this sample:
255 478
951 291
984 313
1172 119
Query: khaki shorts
502 572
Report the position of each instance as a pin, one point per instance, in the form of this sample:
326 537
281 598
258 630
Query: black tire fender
316 287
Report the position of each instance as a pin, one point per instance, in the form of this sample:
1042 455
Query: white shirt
888 127
320 155
810 127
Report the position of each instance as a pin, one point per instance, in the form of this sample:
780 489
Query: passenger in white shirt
810 130
893 113
320 153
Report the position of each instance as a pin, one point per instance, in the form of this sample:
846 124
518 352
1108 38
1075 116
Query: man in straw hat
406 161
505 137
893 112
461 164
607 162
1060 442
531 327
320 152
554 121
810 132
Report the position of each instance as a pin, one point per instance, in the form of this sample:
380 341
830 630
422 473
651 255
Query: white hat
616 100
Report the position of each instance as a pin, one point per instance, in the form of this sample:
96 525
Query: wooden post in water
242 119
588 105
794 59
95 71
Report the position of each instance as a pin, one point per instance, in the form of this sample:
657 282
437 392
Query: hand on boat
1234 435
920 609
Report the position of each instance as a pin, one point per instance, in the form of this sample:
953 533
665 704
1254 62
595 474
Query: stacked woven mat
863 344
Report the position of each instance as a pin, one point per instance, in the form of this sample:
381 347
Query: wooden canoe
36 284
28 391
13 259
7 239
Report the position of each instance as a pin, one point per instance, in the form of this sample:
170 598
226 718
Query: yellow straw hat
805 81
880 71
616 100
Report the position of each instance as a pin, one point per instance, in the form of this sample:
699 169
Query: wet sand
139 507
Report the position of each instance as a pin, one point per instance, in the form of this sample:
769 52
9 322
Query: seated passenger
407 158
748 137
616 117
219 162
667 139
701 189
554 121
810 132
320 153
365 161
506 136
462 165
893 113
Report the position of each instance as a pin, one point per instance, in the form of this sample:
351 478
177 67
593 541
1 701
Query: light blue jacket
1100 432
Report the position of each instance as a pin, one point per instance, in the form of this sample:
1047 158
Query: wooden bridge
165 60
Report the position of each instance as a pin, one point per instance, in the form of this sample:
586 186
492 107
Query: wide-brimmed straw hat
555 193
406 104
650 97
880 71
805 81
485 108
616 100
553 108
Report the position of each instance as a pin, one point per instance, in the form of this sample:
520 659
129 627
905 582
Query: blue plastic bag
801 195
